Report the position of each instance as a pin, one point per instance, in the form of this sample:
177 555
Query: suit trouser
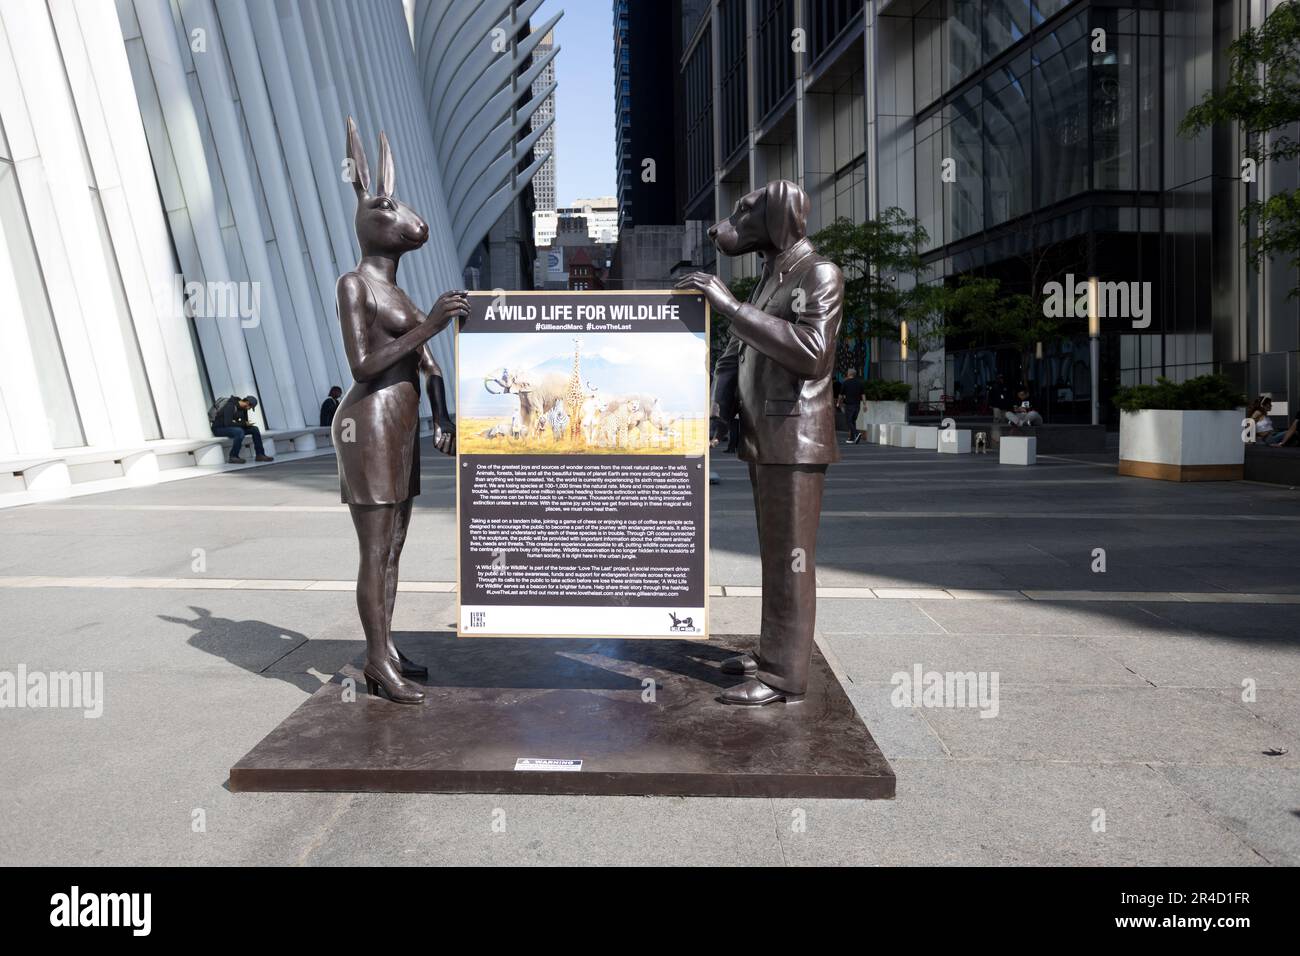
788 502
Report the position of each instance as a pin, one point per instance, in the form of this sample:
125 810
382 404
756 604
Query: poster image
582 465
640 394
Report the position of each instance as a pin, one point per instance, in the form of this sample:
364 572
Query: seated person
1265 432
1022 412
231 421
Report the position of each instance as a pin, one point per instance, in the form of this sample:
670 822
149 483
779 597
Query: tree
875 257
978 307
1262 96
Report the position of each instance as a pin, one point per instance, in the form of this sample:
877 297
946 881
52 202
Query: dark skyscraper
645 78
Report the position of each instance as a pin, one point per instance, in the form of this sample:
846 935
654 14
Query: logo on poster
683 624
478 618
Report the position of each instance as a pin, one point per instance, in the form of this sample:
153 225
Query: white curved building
174 214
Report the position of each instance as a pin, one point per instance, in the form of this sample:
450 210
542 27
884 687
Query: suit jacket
777 367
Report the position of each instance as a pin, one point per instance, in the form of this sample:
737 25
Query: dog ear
387 174
785 213
358 168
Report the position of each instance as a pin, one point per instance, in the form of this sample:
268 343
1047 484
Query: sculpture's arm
437 389
428 364
726 393
444 430
806 345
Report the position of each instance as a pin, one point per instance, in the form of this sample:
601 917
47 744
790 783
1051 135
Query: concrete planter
1182 445
881 413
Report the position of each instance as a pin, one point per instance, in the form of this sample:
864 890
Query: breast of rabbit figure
395 312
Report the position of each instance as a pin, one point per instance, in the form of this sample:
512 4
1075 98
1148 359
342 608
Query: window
1006 22
1007 135
1060 101
699 118
774 21
732 63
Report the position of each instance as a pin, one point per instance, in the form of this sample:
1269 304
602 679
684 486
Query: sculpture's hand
449 307
718 430
715 290
444 438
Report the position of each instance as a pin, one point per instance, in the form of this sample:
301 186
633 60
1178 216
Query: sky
584 98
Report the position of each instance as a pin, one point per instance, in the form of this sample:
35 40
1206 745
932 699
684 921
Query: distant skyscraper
544 181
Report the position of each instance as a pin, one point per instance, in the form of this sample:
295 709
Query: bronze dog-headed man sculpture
777 368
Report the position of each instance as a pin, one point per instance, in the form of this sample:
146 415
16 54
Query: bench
1278 466
139 464
288 439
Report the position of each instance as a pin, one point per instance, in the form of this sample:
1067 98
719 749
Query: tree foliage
978 307
883 390
874 256
1262 96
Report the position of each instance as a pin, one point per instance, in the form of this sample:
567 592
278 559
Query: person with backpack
229 418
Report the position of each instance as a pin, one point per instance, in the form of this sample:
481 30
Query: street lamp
1094 347
902 349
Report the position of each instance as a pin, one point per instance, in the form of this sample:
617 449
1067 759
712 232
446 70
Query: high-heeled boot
408 668
385 676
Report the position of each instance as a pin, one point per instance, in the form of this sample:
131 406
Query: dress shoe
386 678
264 458
743 664
754 693
234 460
408 668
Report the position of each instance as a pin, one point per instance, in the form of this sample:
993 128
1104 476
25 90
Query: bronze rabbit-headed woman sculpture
376 428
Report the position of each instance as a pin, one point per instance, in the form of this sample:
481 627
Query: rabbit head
384 224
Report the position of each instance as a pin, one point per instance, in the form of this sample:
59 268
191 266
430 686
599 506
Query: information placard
582 465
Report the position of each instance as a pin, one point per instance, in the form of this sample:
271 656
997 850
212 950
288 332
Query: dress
376 430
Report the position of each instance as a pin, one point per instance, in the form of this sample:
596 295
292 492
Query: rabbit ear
359 169
387 174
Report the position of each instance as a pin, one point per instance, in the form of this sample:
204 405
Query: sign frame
703 634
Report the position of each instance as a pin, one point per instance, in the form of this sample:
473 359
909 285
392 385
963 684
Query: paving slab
1260 805
968 813
1114 724
874 617
1041 617
515 830
1018 659
1180 659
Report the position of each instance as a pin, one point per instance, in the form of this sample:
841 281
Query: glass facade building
1034 140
